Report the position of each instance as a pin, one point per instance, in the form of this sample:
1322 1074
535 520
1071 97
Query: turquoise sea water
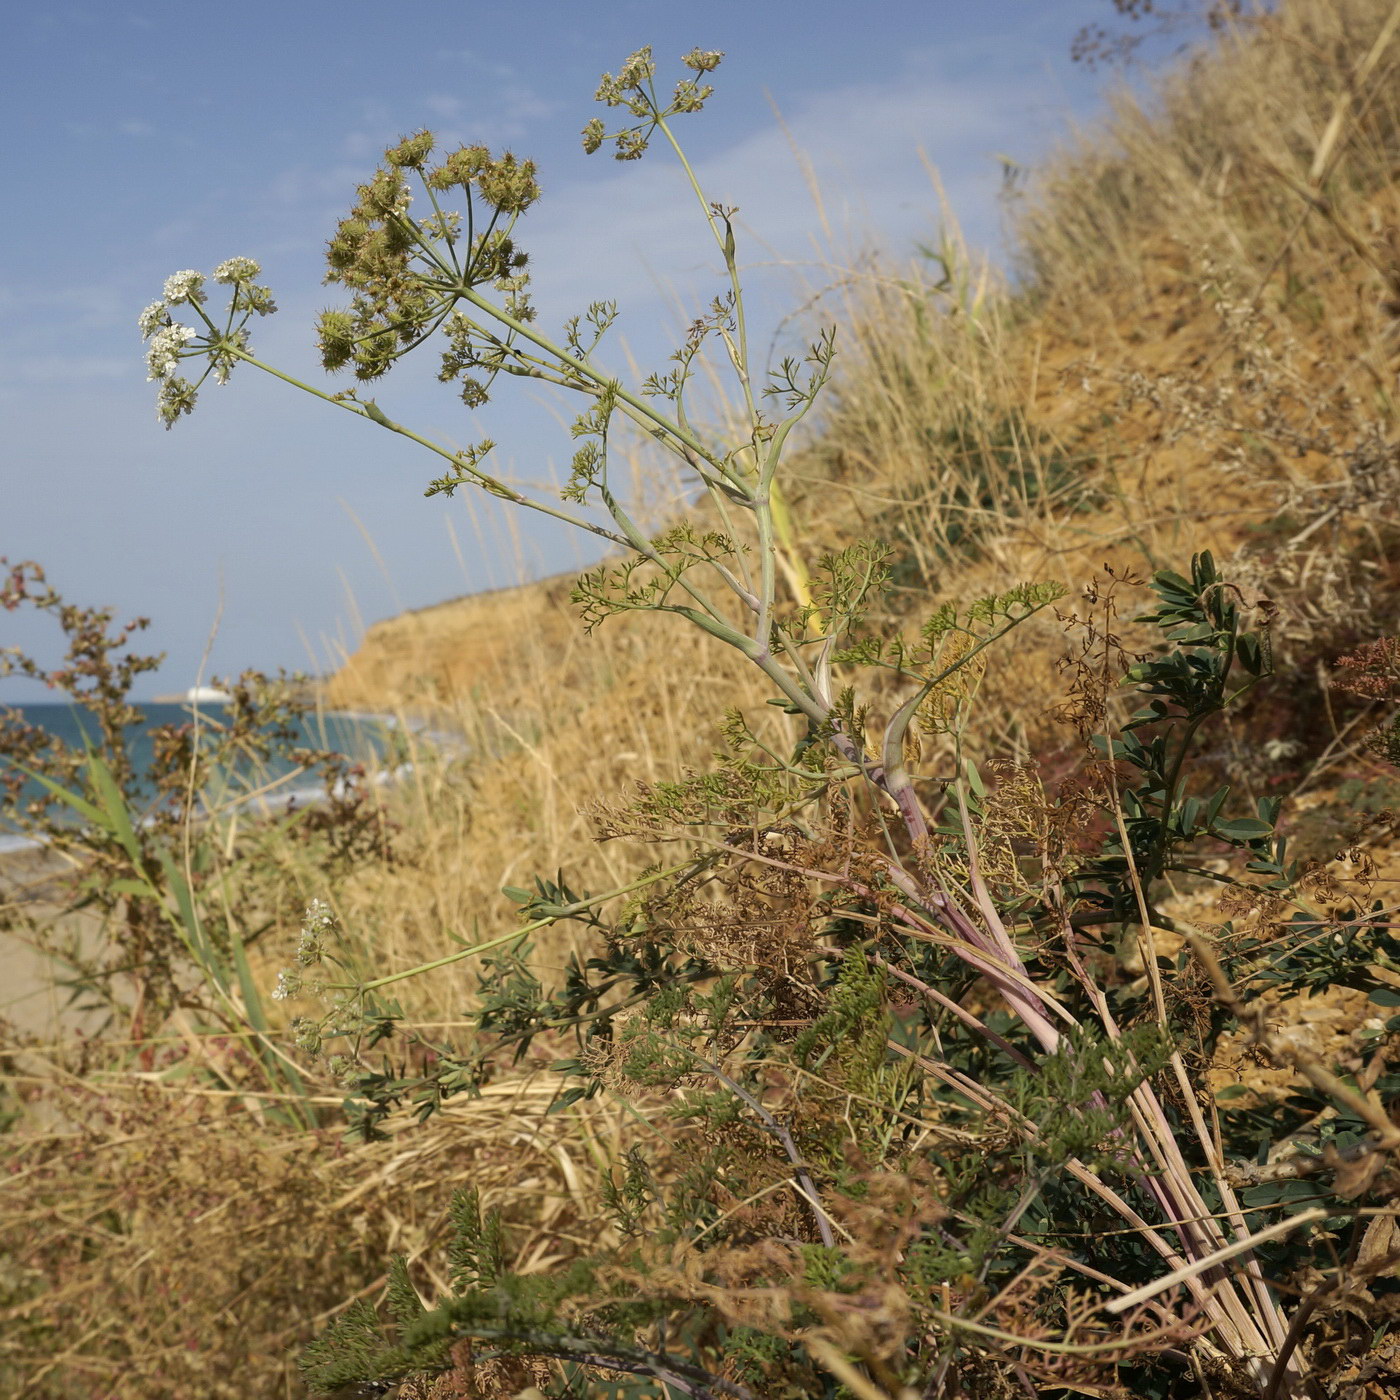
370 739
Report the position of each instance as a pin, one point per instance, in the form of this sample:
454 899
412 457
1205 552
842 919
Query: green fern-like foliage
361 1348
356 1348
571 1315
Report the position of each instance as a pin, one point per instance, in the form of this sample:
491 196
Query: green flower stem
489 483
427 245
740 590
444 306
767 586
481 242
565 911
638 408
718 497
532 366
678 575
630 536
781 515
810 702
447 236
726 245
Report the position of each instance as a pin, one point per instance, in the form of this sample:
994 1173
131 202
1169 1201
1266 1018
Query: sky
144 137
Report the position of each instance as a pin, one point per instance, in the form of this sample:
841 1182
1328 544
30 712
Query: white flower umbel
317 928
288 985
151 319
221 347
221 357
176 396
237 270
163 353
184 286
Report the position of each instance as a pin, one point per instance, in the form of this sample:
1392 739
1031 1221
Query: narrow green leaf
118 814
139 889
565 1100
974 780
81 805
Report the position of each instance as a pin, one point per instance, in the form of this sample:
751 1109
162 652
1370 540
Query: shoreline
18 848
28 867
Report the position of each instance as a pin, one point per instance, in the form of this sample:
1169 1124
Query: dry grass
171 1239
1202 353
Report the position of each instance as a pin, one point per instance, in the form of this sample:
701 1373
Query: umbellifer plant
934 1144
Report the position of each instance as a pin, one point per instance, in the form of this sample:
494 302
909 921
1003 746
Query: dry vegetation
1202 352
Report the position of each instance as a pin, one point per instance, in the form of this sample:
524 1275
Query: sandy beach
30 1000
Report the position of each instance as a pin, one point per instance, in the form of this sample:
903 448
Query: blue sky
146 137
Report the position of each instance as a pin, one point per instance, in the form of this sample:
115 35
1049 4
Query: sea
377 741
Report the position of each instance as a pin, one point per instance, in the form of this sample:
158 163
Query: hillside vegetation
1194 373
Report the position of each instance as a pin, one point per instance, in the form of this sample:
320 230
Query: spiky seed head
412 151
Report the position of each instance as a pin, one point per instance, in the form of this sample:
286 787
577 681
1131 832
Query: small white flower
222 360
317 925
176 396
318 921
237 270
163 353
184 286
288 984
151 319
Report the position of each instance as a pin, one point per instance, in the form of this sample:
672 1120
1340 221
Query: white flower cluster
317 926
176 396
184 286
163 353
237 270
168 342
221 358
151 319
288 985
317 929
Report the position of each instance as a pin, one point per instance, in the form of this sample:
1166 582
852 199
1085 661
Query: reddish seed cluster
1372 671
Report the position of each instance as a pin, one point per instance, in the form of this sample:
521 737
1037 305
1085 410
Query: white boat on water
206 695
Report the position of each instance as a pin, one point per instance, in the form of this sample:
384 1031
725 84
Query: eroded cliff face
447 655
